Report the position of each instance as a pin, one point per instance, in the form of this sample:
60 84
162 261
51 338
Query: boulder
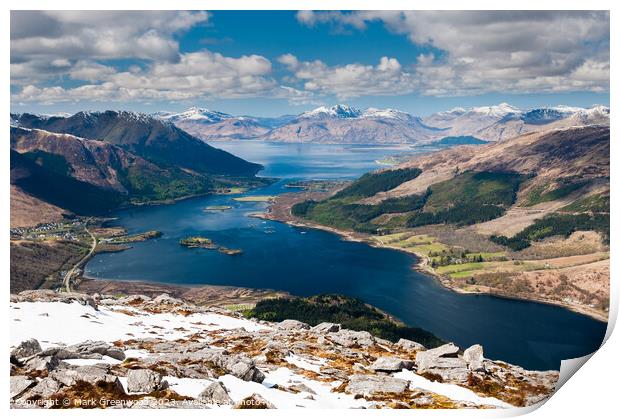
240 366
27 348
41 363
255 401
367 385
144 381
90 373
474 357
428 359
326 327
44 388
19 384
410 345
215 393
290 324
390 364
350 338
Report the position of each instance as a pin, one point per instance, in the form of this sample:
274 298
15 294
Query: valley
477 219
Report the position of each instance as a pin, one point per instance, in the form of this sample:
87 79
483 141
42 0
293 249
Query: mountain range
92 162
345 124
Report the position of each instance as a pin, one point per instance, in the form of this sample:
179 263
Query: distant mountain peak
338 111
500 110
194 113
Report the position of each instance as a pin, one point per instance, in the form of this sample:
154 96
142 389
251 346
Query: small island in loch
197 242
217 208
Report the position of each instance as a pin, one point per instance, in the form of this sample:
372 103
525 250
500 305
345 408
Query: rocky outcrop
391 364
86 350
26 349
326 327
193 345
474 357
293 325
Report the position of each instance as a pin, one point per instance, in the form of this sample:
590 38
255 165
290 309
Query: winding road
69 274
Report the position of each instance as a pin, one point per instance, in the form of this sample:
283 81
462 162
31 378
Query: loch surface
306 262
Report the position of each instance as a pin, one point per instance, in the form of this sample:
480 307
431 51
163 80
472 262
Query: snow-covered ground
60 323
55 323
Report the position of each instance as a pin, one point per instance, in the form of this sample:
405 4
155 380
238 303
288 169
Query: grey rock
290 324
367 385
86 350
240 366
474 357
255 401
350 338
41 363
410 345
428 359
166 299
451 375
326 327
27 348
90 373
390 364
44 388
19 384
215 393
144 381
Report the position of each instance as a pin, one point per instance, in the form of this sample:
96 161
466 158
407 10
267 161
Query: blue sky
282 62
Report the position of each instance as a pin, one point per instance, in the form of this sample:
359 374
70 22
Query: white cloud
196 75
99 34
484 51
351 80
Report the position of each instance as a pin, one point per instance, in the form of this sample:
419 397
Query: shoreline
421 265
197 294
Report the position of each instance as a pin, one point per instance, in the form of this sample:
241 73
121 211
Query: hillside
157 141
162 352
106 166
514 218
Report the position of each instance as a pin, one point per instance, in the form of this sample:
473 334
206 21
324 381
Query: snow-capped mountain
503 121
213 125
336 111
345 124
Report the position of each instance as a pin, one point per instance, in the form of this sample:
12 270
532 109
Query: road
69 274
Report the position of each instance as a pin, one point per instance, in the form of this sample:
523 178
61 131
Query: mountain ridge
346 124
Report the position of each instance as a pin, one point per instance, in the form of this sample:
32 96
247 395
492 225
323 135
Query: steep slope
212 125
106 166
344 124
504 121
525 218
61 190
28 211
155 140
